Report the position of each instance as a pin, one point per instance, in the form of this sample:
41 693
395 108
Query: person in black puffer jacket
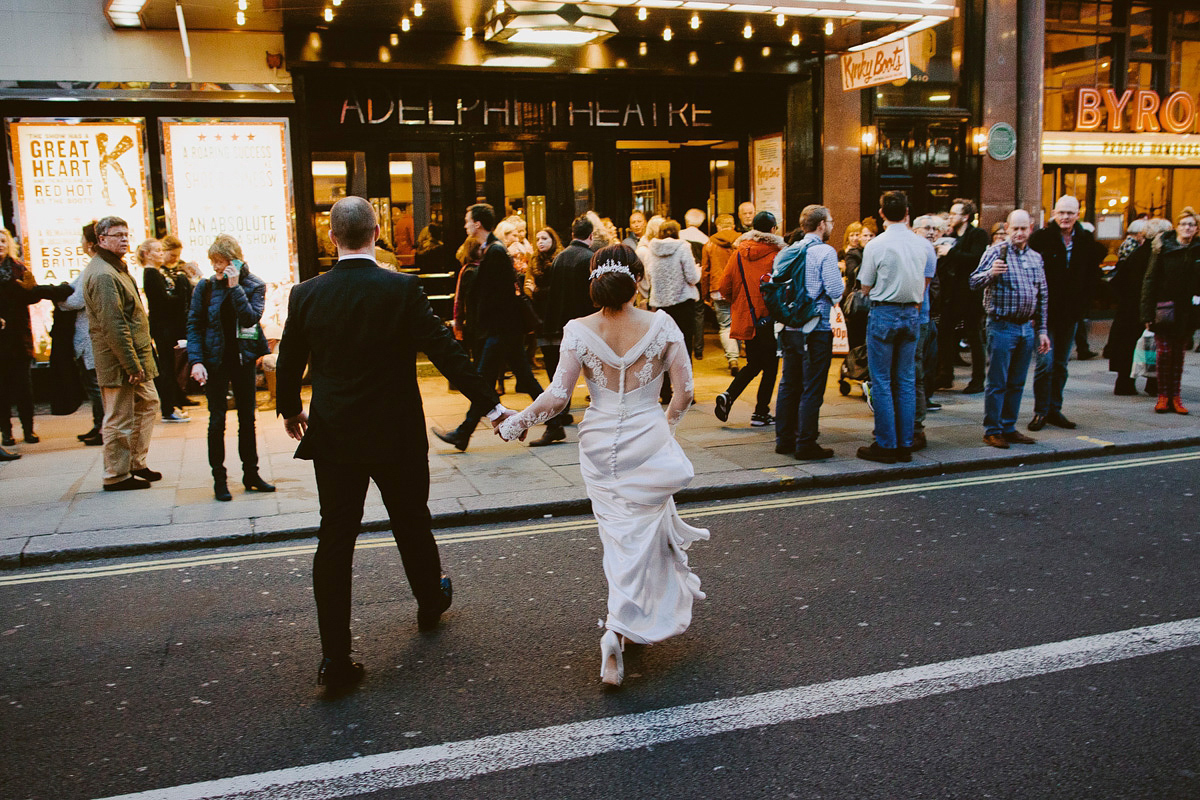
1172 277
225 342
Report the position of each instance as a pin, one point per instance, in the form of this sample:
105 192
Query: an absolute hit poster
234 177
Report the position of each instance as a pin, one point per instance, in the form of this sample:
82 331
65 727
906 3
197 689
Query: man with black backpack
808 348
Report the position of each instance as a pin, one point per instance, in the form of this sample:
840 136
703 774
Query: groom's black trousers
342 489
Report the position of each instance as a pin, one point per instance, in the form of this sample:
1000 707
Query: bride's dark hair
614 289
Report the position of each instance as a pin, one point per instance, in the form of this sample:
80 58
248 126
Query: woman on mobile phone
225 341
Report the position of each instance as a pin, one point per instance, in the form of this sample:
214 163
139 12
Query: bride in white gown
628 455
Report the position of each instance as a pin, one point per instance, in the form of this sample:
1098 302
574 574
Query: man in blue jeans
1014 297
807 351
893 278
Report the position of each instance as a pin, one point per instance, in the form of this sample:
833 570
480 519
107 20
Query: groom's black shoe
430 614
451 437
337 674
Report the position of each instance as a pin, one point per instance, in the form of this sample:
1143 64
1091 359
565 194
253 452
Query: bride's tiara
611 266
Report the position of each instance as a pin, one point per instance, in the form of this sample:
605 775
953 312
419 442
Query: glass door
335 175
416 202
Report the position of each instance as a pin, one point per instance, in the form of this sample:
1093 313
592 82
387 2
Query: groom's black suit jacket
360 326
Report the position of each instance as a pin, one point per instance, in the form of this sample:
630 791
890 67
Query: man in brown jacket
125 367
713 258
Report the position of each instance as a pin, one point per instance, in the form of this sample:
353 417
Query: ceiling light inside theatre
539 23
394 39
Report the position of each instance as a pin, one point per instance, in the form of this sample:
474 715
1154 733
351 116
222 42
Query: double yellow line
789 501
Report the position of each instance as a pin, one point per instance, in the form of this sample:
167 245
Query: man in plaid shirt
1014 297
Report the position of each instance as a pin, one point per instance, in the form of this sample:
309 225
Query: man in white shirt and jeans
893 280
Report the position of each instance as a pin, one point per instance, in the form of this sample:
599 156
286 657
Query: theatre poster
232 176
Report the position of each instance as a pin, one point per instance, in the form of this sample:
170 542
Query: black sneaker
761 420
723 403
813 452
930 405
147 474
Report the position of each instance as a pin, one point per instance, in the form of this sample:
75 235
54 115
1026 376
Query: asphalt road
154 673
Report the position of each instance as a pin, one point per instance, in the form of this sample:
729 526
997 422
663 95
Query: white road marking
466 759
559 526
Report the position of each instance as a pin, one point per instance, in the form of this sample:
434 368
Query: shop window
1140 75
1112 202
1141 29
329 181
416 200
651 184
936 56
721 198
1185 66
514 187
1185 22
1079 12
581 182
1073 60
1185 190
1149 192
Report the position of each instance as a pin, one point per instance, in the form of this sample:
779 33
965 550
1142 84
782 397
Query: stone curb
39 551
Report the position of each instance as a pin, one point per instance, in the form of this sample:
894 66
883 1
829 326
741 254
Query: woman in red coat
753 259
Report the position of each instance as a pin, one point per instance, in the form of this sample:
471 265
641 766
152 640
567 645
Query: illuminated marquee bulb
766 51
499 6
405 24
795 40
641 48
780 19
738 64
241 18
642 14
829 27
418 9
337 3
693 58
468 32
328 14
667 34
241 5
694 21
747 31
394 39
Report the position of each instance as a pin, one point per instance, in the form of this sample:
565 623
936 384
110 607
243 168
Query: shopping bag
1144 358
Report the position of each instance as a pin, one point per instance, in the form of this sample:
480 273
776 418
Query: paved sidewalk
53 509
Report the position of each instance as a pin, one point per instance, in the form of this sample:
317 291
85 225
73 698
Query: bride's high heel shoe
612 666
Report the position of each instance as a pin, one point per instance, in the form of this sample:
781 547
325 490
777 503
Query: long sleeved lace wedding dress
631 466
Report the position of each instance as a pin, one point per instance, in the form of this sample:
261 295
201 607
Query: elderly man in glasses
125 367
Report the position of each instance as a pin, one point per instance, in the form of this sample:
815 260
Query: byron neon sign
1137 111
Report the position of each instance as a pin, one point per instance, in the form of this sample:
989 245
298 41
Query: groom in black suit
359 327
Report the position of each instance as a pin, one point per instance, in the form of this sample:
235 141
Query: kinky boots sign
555 105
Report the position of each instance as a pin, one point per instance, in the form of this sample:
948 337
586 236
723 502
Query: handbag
760 323
1145 357
1164 317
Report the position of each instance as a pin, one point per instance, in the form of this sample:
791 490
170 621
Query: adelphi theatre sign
1136 126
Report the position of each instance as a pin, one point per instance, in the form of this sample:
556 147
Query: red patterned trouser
1169 352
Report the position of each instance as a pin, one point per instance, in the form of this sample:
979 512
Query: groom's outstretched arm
434 339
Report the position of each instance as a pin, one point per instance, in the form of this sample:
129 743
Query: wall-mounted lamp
868 140
979 137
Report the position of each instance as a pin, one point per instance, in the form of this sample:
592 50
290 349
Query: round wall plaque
1002 141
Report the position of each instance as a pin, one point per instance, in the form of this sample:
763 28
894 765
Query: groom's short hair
352 222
